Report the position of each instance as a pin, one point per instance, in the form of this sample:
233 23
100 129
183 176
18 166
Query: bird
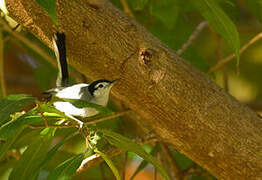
97 92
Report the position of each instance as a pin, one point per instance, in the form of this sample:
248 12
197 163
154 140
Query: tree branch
185 108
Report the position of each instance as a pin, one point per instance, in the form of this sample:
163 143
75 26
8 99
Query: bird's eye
100 86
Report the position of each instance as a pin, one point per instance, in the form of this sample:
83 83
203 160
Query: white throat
101 100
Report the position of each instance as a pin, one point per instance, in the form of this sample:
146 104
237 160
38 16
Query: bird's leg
77 120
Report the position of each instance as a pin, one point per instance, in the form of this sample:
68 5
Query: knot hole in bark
145 56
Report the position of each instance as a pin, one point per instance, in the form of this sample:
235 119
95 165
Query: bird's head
101 88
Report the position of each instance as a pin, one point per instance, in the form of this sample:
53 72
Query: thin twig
225 60
31 126
96 159
41 113
192 37
115 115
2 74
126 8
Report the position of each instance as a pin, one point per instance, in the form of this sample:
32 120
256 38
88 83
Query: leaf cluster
41 149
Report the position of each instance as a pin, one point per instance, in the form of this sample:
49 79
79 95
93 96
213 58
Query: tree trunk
184 107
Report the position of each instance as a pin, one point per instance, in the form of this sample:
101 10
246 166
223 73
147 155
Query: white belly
70 109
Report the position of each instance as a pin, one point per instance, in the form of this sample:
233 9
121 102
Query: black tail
60 52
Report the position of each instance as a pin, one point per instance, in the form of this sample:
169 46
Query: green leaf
5 168
219 20
182 161
11 127
3 7
66 169
166 11
122 142
31 158
9 142
144 163
109 163
138 5
51 153
51 111
50 7
12 104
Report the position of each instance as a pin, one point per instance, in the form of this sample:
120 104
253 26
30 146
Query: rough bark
184 107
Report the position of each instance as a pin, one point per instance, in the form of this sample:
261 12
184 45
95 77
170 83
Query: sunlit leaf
12 104
109 163
219 20
49 110
50 7
122 142
66 169
31 158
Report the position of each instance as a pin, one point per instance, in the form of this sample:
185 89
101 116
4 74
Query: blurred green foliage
50 7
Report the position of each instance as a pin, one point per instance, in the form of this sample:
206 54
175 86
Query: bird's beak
114 81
